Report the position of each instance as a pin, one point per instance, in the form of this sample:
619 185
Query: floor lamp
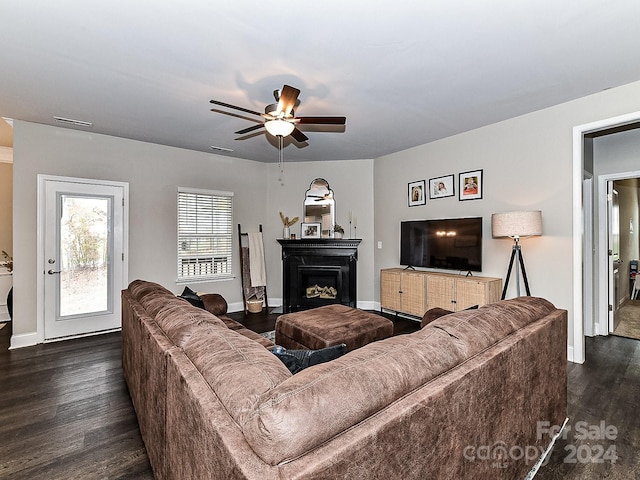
516 225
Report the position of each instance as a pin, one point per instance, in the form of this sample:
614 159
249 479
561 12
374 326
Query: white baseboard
24 340
235 307
570 353
368 305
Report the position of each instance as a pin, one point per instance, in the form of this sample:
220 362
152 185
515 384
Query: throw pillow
297 360
192 297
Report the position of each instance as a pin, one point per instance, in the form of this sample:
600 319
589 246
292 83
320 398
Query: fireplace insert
318 272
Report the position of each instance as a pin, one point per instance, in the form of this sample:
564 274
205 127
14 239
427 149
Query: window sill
187 281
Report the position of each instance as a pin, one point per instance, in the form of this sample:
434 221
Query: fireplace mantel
329 263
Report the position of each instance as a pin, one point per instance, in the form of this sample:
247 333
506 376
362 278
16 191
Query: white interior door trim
588 245
576 352
40 254
602 323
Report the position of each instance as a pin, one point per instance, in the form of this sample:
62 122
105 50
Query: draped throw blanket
256 260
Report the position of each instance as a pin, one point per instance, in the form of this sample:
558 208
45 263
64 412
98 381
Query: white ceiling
404 73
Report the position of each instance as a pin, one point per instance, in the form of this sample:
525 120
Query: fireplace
317 272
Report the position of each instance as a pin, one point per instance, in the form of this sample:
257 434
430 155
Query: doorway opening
621 256
583 275
6 222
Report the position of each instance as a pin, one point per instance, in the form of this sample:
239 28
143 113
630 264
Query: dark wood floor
604 391
65 412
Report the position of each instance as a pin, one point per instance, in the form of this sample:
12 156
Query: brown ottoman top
331 325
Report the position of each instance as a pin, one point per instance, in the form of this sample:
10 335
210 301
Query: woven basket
254 306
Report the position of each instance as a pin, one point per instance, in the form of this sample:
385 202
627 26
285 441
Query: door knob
51 272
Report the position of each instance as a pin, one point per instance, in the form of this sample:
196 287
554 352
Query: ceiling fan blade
216 102
288 98
299 136
321 120
250 129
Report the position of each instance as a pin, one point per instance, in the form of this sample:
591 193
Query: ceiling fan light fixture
279 127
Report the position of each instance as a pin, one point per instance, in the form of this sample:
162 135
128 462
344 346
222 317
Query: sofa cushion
480 328
140 288
231 323
256 337
156 300
320 402
179 320
239 370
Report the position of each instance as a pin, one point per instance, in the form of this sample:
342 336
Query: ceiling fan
279 118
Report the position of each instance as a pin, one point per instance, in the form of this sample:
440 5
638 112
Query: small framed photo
471 185
310 230
416 193
441 187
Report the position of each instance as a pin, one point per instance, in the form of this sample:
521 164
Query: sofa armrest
214 303
433 314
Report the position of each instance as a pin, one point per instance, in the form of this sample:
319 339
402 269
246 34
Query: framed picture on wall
416 193
471 185
441 187
310 230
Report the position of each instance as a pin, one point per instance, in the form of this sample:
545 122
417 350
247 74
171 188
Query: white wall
154 172
618 152
527 163
351 182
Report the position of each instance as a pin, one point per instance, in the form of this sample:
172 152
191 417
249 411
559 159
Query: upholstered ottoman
331 325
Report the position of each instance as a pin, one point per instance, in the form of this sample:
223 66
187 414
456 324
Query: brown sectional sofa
213 403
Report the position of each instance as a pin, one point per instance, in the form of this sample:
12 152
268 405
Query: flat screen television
450 244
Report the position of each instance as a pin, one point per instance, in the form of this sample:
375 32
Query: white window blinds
205 235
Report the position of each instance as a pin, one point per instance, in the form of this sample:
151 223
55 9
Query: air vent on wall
71 121
220 149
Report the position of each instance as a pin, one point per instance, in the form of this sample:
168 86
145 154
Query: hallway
629 324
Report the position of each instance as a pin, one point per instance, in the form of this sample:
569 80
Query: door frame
576 352
40 254
588 300
602 320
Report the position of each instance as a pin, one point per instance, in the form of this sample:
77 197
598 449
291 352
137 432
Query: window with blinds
205 235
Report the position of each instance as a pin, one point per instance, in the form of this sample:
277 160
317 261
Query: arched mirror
320 206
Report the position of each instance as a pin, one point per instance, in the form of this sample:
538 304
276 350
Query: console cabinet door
414 293
390 290
440 292
470 292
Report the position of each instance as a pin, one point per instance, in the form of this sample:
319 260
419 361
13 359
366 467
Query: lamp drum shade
516 224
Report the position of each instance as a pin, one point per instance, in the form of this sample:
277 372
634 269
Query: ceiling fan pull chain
280 154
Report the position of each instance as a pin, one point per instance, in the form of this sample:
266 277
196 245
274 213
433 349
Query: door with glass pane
83 261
